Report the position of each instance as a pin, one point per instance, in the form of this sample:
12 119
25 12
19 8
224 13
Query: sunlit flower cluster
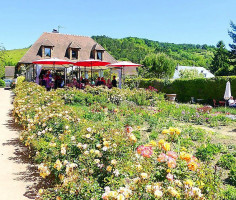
44 171
190 159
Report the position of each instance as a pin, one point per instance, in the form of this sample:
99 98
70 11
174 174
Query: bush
207 152
89 153
232 176
2 83
230 193
200 88
227 161
20 79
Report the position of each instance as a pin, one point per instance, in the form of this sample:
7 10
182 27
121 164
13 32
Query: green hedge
2 83
200 88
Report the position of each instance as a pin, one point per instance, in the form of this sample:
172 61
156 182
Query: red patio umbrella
91 63
52 61
122 65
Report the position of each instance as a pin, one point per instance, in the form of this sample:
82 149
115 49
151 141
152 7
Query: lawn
126 144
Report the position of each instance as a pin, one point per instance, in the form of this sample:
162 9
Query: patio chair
192 101
215 104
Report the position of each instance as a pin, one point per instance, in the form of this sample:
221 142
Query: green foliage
200 88
2 62
232 176
81 142
136 49
232 34
220 63
158 65
227 161
20 79
2 83
230 193
190 74
207 152
12 57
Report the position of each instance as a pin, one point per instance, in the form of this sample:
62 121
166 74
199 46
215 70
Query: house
9 72
62 46
205 72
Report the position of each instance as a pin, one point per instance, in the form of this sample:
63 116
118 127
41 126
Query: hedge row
200 88
2 83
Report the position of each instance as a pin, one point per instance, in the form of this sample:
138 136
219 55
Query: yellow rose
139 167
161 142
106 143
166 146
192 166
158 193
153 143
189 182
165 131
58 165
109 168
113 194
177 131
120 197
171 130
132 138
113 162
149 188
144 175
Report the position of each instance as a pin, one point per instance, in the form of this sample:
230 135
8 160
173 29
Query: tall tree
158 65
232 34
220 63
2 61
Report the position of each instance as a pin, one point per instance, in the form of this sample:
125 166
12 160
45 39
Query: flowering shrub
90 150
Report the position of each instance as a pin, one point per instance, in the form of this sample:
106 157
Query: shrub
227 161
206 152
2 83
200 88
90 153
20 79
230 193
232 176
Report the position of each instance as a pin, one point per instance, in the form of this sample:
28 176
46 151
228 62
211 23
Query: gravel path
18 177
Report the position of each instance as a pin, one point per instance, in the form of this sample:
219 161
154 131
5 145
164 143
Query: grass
12 57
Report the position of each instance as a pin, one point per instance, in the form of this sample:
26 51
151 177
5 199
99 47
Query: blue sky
182 21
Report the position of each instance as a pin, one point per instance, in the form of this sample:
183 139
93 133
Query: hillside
12 57
135 50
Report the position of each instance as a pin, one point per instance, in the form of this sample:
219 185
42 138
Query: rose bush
88 143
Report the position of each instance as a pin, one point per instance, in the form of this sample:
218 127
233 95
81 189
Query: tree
232 34
220 63
190 74
2 61
158 65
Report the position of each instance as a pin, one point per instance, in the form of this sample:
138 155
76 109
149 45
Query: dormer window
74 54
99 55
47 51
97 52
73 51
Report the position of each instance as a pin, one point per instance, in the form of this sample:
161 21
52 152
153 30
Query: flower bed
95 144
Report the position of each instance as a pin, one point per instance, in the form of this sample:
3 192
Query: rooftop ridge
67 34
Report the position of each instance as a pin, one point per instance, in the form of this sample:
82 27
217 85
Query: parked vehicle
8 83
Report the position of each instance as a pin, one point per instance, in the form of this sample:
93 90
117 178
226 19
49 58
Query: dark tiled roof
74 45
61 43
47 43
98 47
9 71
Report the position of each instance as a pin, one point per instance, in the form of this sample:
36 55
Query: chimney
55 31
